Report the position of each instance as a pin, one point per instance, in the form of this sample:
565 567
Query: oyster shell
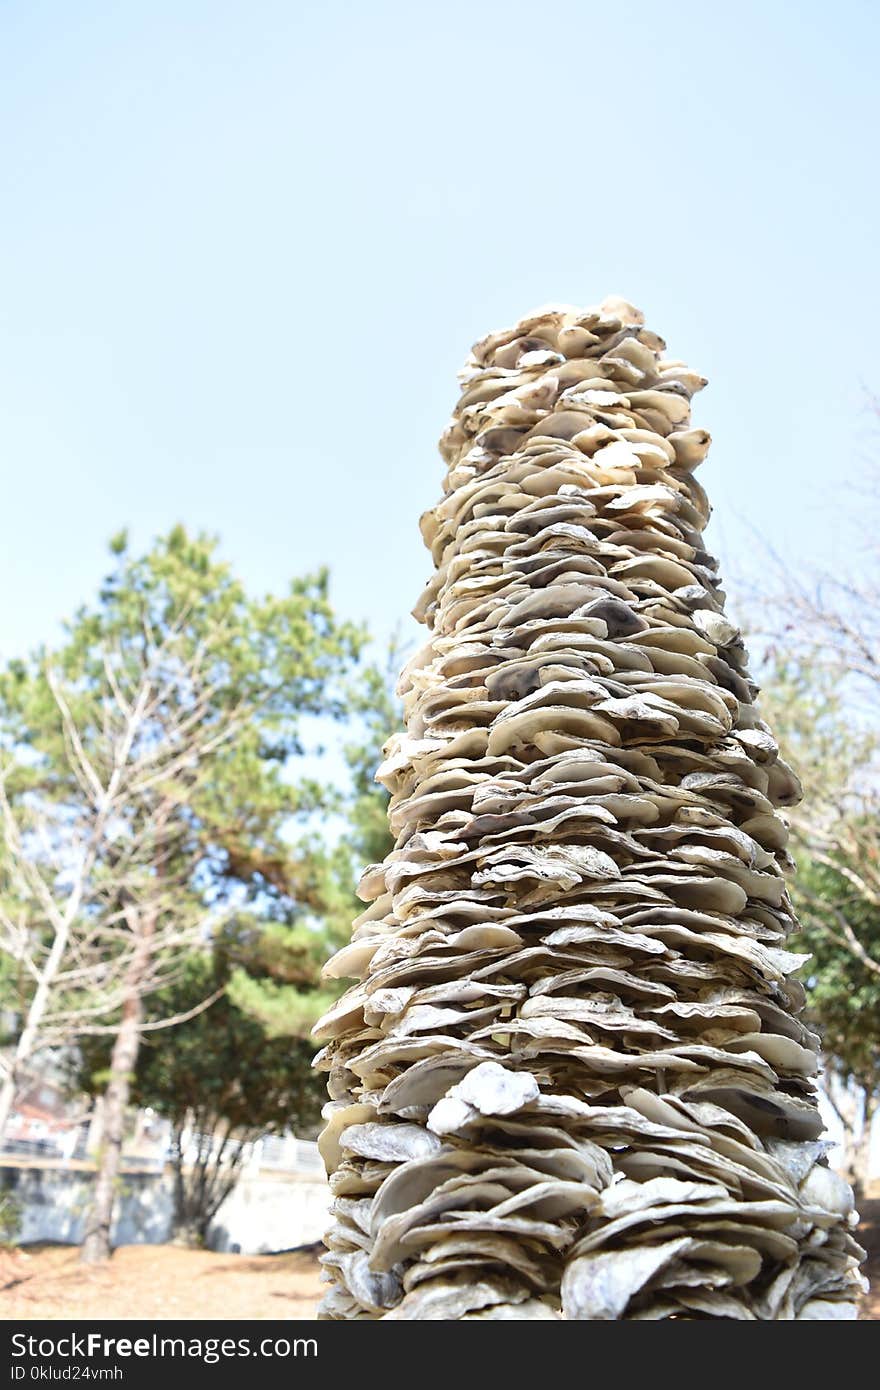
569 1079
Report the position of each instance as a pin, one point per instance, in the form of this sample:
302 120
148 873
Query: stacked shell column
570 1078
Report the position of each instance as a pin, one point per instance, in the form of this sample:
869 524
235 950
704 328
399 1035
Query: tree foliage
293 954
822 698
836 835
159 739
219 1080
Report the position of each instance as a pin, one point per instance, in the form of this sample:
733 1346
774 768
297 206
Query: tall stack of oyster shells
570 1079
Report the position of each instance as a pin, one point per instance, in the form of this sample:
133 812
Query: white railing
286 1154
274 1153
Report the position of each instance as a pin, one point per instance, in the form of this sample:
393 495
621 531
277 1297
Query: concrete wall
263 1214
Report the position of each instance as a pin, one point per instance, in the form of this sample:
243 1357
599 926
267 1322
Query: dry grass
869 1237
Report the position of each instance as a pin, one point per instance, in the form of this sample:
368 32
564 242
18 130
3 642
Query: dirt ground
869 1237
157 1281
163 1281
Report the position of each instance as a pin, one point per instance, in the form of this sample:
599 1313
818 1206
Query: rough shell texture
570 1078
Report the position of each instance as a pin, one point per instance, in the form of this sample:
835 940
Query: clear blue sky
245 247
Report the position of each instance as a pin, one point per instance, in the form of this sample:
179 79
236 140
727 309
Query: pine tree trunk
200 1193
96 1243
7 1097
860 1153
183 1230
96 1247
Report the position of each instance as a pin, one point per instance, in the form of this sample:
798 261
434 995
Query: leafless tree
819 633
95 916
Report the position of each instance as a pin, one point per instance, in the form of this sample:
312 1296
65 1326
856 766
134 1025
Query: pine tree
148 793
